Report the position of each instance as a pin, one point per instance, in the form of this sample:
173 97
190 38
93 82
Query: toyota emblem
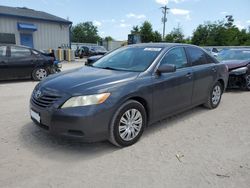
38 94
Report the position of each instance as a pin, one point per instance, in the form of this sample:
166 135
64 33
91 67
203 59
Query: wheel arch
144 104
221 81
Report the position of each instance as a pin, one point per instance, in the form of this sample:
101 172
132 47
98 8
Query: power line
164 19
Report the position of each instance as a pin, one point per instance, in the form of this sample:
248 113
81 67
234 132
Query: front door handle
189 75
214 69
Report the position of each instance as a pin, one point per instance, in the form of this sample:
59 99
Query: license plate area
35 116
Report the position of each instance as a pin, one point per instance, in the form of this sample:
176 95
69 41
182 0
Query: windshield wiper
108 68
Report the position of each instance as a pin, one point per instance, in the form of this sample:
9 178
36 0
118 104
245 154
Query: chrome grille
46 100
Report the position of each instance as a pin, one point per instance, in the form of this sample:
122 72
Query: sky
116 18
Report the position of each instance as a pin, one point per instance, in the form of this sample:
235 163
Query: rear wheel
128 124
247 84
215 96
39 74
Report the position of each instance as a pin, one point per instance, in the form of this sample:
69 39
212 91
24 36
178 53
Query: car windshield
136 59
234 55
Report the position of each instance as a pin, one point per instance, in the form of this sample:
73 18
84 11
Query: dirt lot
213 149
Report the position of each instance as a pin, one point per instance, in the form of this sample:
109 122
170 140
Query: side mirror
166 68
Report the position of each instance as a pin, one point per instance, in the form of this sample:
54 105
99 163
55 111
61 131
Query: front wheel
39 74
214 96
128 124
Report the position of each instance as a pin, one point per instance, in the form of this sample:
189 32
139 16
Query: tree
85 32
176 35
108 38
220 33
157 37
146 32
230 21
135 30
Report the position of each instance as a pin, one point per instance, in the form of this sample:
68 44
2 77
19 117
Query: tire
214 98
123 131
247 82
39 74
81 56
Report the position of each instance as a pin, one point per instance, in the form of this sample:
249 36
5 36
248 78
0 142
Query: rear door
3 63
21 62
205 74
173 91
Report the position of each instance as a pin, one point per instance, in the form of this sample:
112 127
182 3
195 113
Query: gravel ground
198 148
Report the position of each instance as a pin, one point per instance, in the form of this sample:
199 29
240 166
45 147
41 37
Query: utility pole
164 19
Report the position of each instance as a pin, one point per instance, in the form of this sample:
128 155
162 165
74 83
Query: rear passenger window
19 52
3 51
197 56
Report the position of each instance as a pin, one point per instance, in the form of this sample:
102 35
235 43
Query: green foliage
157 37
135 30
85 32
146 32
175 36
220 33
108 38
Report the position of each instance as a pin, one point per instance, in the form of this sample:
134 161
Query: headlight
86 100
241 70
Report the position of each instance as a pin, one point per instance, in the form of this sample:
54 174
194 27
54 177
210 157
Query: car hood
233 64
86 80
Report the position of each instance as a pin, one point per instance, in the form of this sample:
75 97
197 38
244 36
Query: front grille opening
75 133
45 101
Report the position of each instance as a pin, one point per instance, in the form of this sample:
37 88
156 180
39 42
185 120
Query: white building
37 29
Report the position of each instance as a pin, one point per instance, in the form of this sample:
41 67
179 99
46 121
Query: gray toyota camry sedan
126 90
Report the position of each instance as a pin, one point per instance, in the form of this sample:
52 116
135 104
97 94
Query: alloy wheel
216 95
130 124
41 74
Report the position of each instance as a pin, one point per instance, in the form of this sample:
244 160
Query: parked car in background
22 62
93 59
238 62
87 51
213 51
98 50
120 94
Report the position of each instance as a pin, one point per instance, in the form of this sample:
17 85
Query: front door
173 91
26 39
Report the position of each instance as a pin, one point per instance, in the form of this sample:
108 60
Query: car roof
162 45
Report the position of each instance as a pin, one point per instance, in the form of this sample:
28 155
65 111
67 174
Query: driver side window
177 57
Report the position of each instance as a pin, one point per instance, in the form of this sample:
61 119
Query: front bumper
90 123
236 80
